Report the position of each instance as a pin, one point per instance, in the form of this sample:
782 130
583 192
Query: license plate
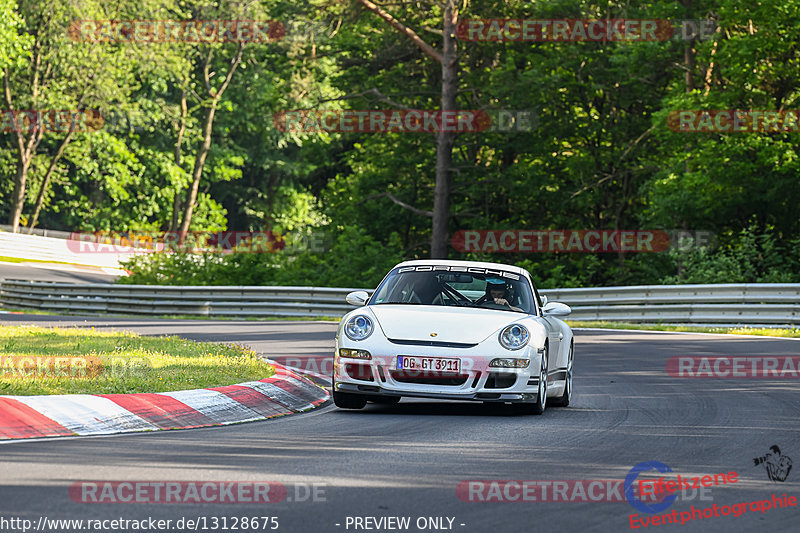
437 364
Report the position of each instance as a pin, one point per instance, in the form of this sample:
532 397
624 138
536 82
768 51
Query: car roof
476 264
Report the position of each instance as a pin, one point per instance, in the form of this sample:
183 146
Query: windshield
456 286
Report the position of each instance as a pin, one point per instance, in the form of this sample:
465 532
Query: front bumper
475 381
366 390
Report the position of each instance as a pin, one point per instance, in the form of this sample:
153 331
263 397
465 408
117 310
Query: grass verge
36 360
765 332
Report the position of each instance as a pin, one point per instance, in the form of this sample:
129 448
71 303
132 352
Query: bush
354 260
749 258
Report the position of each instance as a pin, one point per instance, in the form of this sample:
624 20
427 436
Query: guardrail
23 246
765 303
175 300
56 234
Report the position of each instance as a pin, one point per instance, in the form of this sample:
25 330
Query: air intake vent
433 343
500 381
452 380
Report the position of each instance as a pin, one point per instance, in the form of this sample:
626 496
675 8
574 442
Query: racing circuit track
407 460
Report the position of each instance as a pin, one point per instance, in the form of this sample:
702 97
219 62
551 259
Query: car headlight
358 328
509 363
354 354
514 337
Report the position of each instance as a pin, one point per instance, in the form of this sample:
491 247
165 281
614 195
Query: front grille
440 344
450 380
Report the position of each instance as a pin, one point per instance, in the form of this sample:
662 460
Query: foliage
354 260
750 257
600 154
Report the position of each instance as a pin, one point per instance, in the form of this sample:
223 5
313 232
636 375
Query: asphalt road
408 460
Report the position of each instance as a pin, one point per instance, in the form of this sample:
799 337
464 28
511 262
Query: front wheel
541 395
566 396
345 400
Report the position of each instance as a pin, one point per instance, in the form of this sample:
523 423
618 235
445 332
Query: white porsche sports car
457 330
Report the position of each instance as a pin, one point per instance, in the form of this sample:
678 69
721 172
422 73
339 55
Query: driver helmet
495 284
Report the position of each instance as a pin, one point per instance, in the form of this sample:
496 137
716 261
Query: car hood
451 324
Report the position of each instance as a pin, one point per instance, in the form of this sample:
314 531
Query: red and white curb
24 417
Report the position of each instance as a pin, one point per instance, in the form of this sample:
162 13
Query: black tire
566 396
385 400
541 397
345 400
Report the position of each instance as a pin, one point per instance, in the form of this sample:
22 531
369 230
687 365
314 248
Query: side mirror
556 309
544 301
358 298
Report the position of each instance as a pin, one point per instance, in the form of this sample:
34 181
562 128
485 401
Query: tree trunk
445 139
205 147
197 173
177 203
18 196
47 177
